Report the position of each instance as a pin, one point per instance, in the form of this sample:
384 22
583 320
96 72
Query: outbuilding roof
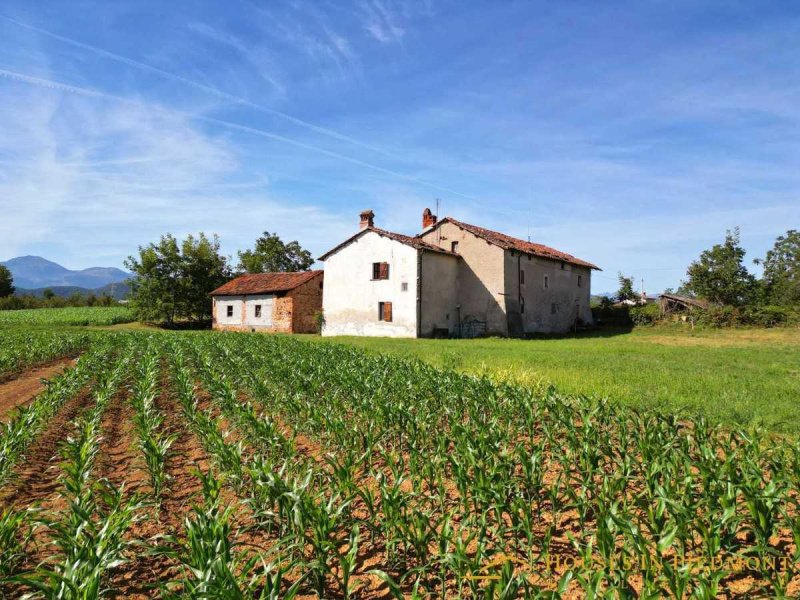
511 243
414 242
264 283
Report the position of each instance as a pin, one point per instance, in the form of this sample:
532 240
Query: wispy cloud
381 20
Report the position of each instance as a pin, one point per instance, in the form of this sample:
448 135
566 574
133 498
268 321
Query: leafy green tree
719 275
6 282
172 279
625 291
48 294
271 254
782 270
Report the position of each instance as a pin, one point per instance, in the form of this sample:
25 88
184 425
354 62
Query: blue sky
631 134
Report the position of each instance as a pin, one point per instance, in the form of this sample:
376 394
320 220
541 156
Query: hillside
35 272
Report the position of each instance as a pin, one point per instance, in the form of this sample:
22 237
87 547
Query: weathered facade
452 279
270 302
380 283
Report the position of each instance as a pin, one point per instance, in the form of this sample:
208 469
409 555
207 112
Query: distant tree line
736 296
172 279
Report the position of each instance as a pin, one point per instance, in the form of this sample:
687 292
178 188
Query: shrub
648 314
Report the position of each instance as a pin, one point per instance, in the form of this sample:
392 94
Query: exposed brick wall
307 302
282 314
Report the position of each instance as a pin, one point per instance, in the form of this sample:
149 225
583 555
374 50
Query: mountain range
32 274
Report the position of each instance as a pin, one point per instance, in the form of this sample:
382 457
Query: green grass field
742 377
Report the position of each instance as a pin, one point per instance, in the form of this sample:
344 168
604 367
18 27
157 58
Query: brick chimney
428 218
367 219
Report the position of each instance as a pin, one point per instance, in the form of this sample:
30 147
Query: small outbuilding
270 302
672 304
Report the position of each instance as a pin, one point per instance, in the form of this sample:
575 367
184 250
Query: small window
229 310
453 246
380 270
522 277
580 280
404 286
522 305
385 311
258 311
546 282
563 266
553 308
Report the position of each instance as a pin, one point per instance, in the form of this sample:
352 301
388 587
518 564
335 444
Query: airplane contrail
91 93
197 85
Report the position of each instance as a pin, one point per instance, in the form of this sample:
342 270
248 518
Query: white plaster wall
439 293
350 297
222 303
266 301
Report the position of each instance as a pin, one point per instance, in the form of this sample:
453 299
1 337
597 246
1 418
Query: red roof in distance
264 283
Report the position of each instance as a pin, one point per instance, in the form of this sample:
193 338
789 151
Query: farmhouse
452 279
275 302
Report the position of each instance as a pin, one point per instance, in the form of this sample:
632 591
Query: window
404 286
380 270
522 305
563 266
522 277
580 280
385 311
553 308
258 311
546 282
453 246
229 311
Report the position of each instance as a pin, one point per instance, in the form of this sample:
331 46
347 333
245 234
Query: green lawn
743 377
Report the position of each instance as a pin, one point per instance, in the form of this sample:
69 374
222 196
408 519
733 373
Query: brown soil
23 388
139 577
35 480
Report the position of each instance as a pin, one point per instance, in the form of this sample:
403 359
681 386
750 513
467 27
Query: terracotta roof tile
511 243
264 283
414 242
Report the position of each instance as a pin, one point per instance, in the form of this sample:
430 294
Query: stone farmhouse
452 279
269 302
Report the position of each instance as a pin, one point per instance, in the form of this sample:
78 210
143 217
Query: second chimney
428 218
367 219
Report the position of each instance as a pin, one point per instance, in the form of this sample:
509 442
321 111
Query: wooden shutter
387 311
384 271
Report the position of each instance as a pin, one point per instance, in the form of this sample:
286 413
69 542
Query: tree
782 270
719 275
271 254
48 294
172 280
6 282
625 291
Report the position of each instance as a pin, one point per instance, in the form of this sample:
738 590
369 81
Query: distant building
274 302
453 279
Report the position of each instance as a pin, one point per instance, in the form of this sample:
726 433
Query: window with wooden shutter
380 270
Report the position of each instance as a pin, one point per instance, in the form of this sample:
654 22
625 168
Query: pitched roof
511 243
264 283
414 242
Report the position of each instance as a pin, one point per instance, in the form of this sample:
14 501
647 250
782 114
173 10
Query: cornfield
240 466
73 315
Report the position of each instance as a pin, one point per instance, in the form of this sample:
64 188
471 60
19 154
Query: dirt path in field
23 388
137 578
